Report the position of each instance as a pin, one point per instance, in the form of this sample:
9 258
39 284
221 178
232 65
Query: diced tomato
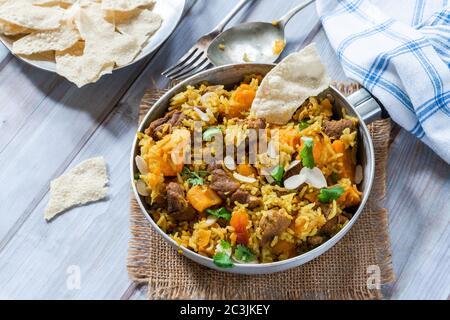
239 221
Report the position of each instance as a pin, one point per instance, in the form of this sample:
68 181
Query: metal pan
360 105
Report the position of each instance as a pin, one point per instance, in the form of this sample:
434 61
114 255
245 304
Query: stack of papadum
86 38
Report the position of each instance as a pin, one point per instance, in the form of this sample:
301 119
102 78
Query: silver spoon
252 42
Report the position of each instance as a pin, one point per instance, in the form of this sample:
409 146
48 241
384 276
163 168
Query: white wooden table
48 125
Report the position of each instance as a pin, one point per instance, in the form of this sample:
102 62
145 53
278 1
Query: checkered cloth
400 51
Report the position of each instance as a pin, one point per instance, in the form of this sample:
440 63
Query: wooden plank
419 214
34 261
22 90
52 101
37 142
4 55
92 238
49 139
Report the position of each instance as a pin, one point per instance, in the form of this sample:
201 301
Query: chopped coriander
202 173
225 245
220 213
136 176
303 125
334 177
222 260
244 254
194 178
329 194
185 170
277 174
210 133
307 153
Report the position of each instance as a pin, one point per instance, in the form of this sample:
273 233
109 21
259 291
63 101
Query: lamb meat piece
155 124
177 118
177 205
172 119
315 240
213 165
332 226
223 184
244 197
273 224
159 132
334 128
252 123
256 123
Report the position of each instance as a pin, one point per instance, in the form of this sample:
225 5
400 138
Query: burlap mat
340 273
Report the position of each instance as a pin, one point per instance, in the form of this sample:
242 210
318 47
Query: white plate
170 12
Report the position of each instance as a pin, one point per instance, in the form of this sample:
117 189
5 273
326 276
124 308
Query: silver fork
195 59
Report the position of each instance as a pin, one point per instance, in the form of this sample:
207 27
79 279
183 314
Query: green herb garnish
222 260
244 254
334 177
202 173
277 174
225 245
194 178
329 194
210 133
303 125
137 176
220 213
307 153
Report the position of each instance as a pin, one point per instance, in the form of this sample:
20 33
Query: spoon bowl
247 42
261 42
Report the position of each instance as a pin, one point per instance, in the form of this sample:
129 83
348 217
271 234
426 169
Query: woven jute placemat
343 272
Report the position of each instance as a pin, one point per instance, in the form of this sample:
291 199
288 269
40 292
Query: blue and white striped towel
400 51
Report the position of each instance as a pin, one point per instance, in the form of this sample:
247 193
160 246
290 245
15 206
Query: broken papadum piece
85 183
81 68
59 39
284 89
84 40
11 29
125 5
142 26
24 14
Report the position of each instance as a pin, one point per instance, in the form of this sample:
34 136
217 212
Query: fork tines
195 60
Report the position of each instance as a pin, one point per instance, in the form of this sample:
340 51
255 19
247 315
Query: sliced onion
210 113
358 174
204 98
292 165
294 182
141 165
314 177
242 178
214 88
210 220
203 116
142 188
228 161
267 174
271 151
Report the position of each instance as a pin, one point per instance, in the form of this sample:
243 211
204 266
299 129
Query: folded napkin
400 51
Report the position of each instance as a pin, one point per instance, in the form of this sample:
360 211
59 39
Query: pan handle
368 107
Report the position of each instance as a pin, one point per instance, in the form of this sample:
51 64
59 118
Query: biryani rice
306 213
